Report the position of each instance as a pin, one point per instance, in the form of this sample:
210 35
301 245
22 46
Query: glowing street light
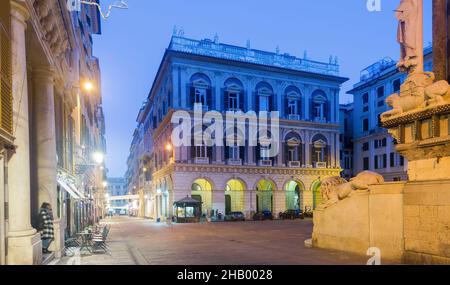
169 147
98 157
88 86
105 184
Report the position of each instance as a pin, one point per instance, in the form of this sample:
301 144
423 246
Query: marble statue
335 189
407 14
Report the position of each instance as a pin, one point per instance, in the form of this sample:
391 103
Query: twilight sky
133 42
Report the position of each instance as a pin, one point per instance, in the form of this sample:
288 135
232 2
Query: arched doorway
202 192
317 194
294 195
234 196
264 195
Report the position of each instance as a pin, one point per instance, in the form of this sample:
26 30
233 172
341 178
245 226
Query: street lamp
98 157
105 184
88 86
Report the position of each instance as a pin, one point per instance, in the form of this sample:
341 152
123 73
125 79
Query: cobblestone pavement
143 242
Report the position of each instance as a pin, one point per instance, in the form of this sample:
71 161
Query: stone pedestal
367 219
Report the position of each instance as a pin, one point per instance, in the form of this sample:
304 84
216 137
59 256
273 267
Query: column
440 39
279 202
45 143
249 203
24 244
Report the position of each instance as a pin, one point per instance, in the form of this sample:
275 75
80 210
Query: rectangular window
365 98
264 103
380 92
366 109
396 85
376 165
292 107
385 161
365 125
366 163
392 159
375 144
380 104
365 146
384 142
233 101
200 96
402 161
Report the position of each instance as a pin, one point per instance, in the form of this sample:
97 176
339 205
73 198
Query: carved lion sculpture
418 91
437 94
335 189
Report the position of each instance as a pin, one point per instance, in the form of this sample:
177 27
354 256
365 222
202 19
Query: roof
215 49
188 200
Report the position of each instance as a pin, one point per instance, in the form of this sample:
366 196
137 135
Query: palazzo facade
50 125
224 78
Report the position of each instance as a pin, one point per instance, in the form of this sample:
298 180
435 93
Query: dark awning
187 202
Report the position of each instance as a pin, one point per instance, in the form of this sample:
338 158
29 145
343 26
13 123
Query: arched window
320 152
234 151
292 103
264 97
293 150
200 91
234 95
201 153
319 106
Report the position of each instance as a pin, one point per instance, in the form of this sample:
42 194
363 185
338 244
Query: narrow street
143 242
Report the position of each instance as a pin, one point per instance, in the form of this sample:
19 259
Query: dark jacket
46 220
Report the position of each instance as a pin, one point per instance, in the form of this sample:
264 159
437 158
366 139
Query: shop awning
81 195
68 189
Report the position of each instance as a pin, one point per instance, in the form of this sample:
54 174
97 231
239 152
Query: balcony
321 165
265 163
201 160
235 162
294 164
320 120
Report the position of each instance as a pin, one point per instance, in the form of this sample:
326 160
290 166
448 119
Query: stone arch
234 195
294 189
201 190
265 189
317 193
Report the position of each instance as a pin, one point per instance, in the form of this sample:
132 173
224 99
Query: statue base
410 221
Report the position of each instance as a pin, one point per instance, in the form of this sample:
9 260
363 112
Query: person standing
46 226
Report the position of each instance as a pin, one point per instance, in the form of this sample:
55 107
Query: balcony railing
321 165
294 164
294 117
320 120
213 49
265 163
236 162
201 160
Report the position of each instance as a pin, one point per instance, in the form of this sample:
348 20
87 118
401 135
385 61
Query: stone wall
365 220
427 222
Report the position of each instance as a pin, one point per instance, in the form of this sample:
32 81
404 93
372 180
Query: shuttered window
5 71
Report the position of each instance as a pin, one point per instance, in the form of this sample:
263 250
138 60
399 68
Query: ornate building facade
57 125
225 78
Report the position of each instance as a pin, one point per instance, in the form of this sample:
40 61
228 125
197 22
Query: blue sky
133 42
